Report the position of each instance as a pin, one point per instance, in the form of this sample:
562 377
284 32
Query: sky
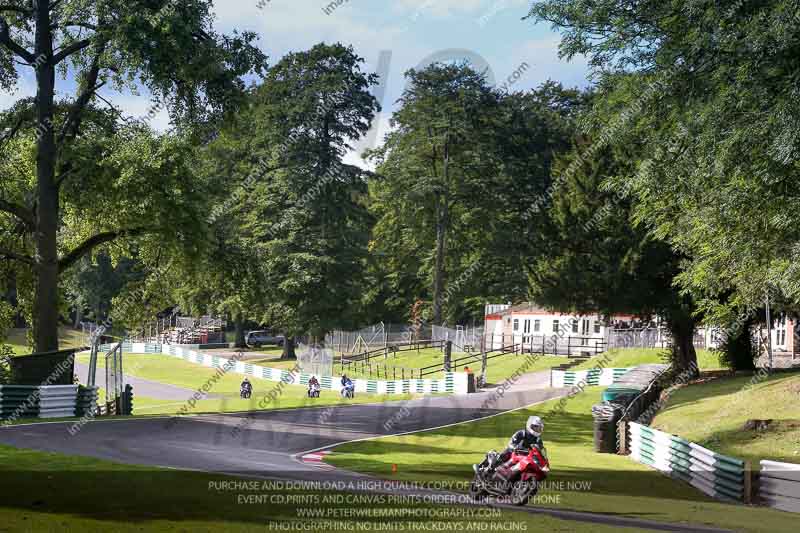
405 33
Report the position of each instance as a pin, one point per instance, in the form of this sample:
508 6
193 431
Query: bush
739 351
6 353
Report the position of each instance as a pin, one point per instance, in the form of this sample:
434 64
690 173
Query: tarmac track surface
264 444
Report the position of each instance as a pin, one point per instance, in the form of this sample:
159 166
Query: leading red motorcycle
518 478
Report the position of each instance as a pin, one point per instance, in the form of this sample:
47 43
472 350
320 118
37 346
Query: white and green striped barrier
779 486
452 382
591 377
716 475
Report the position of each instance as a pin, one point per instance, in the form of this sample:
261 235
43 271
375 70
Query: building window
526 326
574 325
516 324
555 326
537 326
597 326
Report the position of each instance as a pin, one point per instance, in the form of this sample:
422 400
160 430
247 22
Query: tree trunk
442 222
438 268
78 316
239 330
45 304
288 349
684 356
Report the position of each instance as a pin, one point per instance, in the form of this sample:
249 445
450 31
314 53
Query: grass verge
725 404
17 338
629 357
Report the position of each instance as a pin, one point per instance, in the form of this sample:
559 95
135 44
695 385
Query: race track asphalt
258 443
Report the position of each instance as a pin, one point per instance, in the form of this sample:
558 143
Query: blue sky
411 30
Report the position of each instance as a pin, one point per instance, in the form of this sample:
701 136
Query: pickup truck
260 338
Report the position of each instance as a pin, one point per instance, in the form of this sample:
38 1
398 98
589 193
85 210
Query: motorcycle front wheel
476 491
522 492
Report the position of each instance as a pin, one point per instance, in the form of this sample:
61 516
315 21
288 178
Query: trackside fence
718 476
779 486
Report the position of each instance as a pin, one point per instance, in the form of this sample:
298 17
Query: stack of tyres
629 396
606 415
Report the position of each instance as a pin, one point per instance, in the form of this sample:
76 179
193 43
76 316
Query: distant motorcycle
245 393
313 391
348 391
518 478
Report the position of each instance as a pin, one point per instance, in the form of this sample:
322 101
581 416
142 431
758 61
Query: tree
299 209
167 46
93 282
596 260
710 92
454 187
430 159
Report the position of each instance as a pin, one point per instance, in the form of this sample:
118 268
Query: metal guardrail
779 486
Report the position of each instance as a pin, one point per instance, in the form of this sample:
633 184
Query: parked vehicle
518 478
260 338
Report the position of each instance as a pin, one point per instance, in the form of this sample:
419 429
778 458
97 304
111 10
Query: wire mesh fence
315 360
376 336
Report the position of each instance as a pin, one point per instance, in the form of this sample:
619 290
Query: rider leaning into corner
524 438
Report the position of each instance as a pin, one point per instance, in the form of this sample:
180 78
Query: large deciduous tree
710 92
430 167
299 210
596 260
454 187
167 46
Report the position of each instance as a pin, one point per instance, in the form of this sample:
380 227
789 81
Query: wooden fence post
448 350
483 367
748 483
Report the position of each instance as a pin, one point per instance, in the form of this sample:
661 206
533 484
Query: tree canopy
168 47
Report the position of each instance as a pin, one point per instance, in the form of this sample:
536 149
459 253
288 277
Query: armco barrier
50 401
719 476
591 377
452 382
779 486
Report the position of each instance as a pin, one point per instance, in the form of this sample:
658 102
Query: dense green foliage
77 177
710 89
665 190
596 260
455 181
292 234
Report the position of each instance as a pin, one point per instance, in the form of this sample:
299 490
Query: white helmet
534 426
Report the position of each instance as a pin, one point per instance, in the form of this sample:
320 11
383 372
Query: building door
585 324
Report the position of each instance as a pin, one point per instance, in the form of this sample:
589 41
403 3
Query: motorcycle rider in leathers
524 438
